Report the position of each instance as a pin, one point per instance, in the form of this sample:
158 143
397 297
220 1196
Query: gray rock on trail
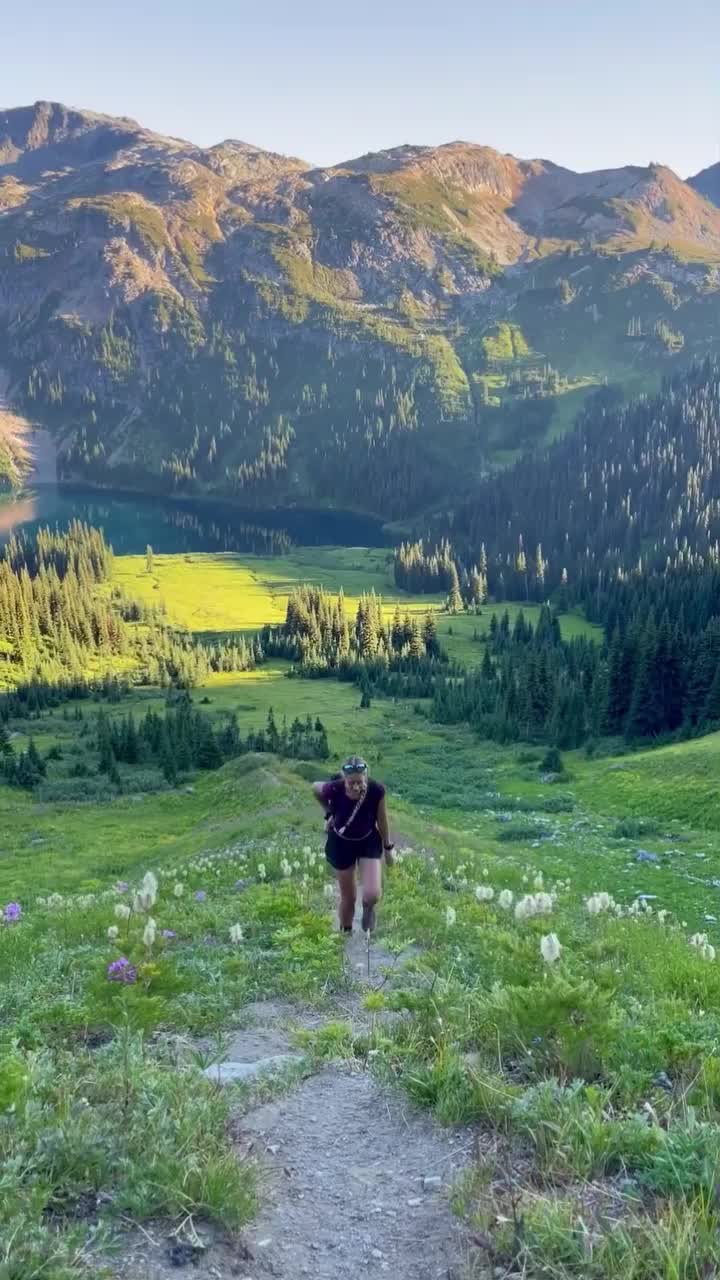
643 855
233 1072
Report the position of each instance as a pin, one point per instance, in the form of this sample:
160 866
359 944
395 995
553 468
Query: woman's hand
389 856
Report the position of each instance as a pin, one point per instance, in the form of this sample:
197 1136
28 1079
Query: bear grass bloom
150 933
533 904
236 934
450 916
550 948
598 903
484 893
506 899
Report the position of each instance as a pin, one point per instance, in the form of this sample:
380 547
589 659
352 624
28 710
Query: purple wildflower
200 896
122 886
169 933
122 971
12 912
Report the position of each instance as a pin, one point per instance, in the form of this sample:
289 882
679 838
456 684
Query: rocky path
355 1180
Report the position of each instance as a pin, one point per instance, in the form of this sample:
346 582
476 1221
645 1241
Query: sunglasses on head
356 765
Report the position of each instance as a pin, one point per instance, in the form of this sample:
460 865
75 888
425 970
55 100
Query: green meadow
551 972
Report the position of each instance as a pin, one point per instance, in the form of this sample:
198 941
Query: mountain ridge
231 319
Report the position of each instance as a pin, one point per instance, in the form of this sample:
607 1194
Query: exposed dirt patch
347 1162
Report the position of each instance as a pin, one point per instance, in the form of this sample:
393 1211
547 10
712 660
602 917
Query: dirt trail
355 1179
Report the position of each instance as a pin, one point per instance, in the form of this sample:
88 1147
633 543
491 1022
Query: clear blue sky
587 83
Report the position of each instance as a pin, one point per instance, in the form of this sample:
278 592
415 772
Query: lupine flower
149 933
169 934
200 896
236 933
506 899
12 912
550 948
121 886
113 933
179 889
450 916
122 911
122 971
484 893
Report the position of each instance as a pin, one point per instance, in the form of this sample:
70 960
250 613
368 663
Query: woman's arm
383 825
319 793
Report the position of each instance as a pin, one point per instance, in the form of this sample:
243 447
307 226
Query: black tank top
341 806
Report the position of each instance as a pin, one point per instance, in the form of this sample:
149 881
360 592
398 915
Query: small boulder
235 1072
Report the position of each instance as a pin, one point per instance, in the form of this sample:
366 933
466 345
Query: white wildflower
179 889
662 916
307 850
329 891
550 948
538 882
484 893
122 911
699 940
506 899
286 868
708 951
450 916
149 933
113 933
534 904
150 885
262 873
598 903
236 933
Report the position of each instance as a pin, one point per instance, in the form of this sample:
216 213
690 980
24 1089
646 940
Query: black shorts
344 854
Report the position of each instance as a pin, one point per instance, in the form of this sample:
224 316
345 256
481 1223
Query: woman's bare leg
371 881
346 884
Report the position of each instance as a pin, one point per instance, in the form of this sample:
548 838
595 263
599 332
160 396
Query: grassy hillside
545 973
555 1059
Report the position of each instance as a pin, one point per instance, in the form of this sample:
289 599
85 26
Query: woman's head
355 774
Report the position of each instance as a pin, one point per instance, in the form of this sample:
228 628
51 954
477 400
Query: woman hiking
358 835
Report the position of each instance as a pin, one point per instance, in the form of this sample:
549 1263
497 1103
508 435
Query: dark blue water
131 523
